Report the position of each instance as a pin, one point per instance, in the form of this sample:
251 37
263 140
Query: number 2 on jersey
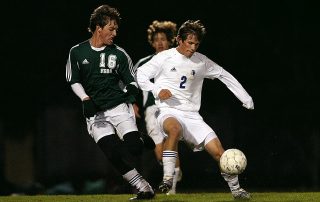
183 82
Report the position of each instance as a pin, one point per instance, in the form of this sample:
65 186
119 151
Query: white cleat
171 192
241 194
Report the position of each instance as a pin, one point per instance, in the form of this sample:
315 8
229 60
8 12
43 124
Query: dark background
271 47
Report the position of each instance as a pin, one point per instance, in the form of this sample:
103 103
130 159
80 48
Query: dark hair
167 27
192 27
102 16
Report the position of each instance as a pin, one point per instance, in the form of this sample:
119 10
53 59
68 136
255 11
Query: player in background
94 69
161 36
178 78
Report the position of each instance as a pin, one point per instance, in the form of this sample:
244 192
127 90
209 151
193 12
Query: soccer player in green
95 69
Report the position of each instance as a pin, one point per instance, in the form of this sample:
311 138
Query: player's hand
89 108
249 105
136 110
164 94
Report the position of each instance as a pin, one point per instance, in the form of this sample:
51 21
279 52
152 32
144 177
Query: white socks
137 181
169 161
175 178
232 181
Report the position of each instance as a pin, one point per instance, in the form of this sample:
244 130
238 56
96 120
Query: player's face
109 32
160 42
189 46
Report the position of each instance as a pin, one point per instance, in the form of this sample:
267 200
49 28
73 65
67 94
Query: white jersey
184 77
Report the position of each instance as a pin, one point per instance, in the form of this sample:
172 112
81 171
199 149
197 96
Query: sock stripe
169 154
135 179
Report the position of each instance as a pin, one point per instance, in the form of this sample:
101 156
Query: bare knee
217 155
215 149
174 131
172 128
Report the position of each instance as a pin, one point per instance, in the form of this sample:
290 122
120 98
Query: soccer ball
233 162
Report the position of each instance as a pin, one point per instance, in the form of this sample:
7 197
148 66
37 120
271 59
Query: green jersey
100 72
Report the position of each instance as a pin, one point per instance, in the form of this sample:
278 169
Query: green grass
199 197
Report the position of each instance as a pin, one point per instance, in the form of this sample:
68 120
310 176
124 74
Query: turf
194 197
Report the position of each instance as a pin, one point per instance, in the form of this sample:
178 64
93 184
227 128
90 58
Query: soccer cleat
171 192
165 186
143 196
147 141
241 194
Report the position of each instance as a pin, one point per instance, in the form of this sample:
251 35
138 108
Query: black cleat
147 141
164 187
143 196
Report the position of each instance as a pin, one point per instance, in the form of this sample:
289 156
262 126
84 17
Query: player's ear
98 28
178 40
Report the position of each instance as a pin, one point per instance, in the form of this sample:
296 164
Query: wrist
86 98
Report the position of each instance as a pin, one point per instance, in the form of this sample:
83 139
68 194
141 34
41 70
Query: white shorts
152 125
119 120
195 132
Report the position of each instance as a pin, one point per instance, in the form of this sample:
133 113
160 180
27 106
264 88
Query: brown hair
192 27
102 16
167 27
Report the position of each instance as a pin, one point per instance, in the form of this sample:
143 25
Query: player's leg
214 147
155 133
133 143
123 119
116 149
177 171
176 178
158 152
153 130
173 129
111 146
127 130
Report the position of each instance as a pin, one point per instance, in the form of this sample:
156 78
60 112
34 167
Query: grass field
199 197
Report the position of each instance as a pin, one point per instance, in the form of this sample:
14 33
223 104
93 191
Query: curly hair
167 27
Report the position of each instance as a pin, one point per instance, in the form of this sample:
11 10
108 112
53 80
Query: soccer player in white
161 36
178 75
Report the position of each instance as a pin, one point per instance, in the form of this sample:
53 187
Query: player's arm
78 89
73 77
146 72
88 106
236 88
216 71
127 73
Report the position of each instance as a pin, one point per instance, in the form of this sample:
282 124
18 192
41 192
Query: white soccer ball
233 162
